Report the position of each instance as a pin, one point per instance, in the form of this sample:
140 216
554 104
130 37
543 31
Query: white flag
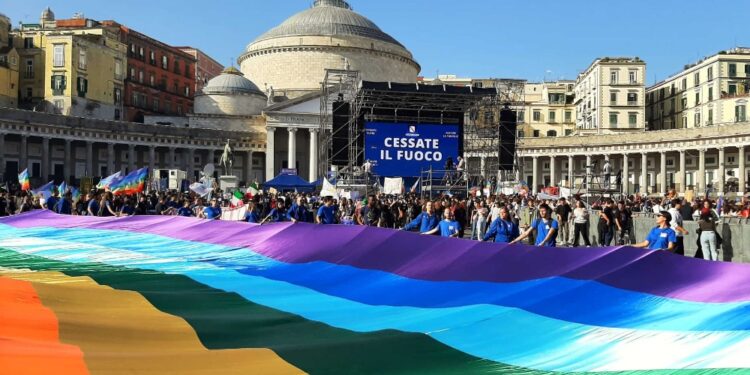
200 189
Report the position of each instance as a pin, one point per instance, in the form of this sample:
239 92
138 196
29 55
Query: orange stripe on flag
29 335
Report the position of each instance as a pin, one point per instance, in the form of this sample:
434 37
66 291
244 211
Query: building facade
712 91
206 67
610 96
548 110
73 67
160 79
9 66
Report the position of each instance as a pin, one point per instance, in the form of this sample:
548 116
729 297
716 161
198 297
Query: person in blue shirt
127 208
546 228
661 237
503 228
64 206
252 215
212 212
427 220
277 214
326 212
185 210
448 227
297 212
92 208
51 200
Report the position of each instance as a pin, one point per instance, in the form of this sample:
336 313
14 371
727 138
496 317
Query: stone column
190 164
23 161
663 171
45 159
587 179
482 165
552 171
570 171
170 163
313 154
131 158
270 149
110 159
625 175
722 171
292 148
644 173
90 159
249 167
67 168
2 155
534 174
741 177
701 180
151 159
682 179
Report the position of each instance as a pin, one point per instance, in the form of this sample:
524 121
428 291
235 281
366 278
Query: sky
532 39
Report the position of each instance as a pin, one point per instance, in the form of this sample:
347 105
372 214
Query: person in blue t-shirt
661 237
185 210
326 212
426 221
278 214
448 227
298 211
64 205
92 208
212 212
503 228
252 215
127 208
546 228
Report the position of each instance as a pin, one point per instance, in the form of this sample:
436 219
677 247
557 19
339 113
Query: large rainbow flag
158 295
23 180
133 183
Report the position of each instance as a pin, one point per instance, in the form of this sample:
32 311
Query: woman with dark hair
580 224
708 235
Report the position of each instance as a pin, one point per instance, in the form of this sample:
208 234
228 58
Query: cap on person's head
666 215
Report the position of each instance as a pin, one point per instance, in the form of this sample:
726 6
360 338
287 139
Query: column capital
292 130
314 130
270 129
682 152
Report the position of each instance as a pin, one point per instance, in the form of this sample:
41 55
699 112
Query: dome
328 18
48 15
231 81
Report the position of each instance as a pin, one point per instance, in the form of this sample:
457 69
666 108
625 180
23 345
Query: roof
285 182
231 81
328 18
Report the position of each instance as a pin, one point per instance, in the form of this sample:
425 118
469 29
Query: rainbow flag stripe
23 180
292 298
133 183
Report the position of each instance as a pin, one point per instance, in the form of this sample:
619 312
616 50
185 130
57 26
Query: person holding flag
23 180
236 200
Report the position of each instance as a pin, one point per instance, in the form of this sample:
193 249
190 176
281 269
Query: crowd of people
498 218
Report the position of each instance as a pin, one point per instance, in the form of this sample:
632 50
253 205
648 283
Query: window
29 72
140 76
29 92
732 89
117 95
684 121
552 133
177 67
613 119
613 98
140 52
59 105
117 114
684 84
132 49
156 105
567 133
537 116
684 103
58 55
58 84
132 73
521 134
633 119
710 117
697 98
489 116
747 70
632 98
164 62
118 69
152 58
552 116
28 42
733 70
710 93
83 87
568 116
536 133
151 79
520 116
633 77
613 77
739 113
179 109
697 78
82 59
710 73
697 119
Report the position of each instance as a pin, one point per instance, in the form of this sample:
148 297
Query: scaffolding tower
339 86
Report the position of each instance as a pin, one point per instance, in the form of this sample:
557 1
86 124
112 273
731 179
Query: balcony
632 102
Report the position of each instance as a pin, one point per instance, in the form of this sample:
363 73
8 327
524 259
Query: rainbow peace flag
133 183
23 180
161 294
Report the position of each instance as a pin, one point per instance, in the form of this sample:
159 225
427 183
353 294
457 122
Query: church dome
48 15
292 57
231 81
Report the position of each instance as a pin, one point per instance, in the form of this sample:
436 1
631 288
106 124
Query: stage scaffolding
338 85
483 133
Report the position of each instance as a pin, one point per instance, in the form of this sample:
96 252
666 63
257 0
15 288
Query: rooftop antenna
231 62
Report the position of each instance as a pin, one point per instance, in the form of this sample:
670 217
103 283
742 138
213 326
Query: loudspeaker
507 144
340 136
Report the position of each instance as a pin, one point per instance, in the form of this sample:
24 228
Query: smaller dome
231 81
48 15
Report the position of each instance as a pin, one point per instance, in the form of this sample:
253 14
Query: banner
393 186
328 190
404 150
234 214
